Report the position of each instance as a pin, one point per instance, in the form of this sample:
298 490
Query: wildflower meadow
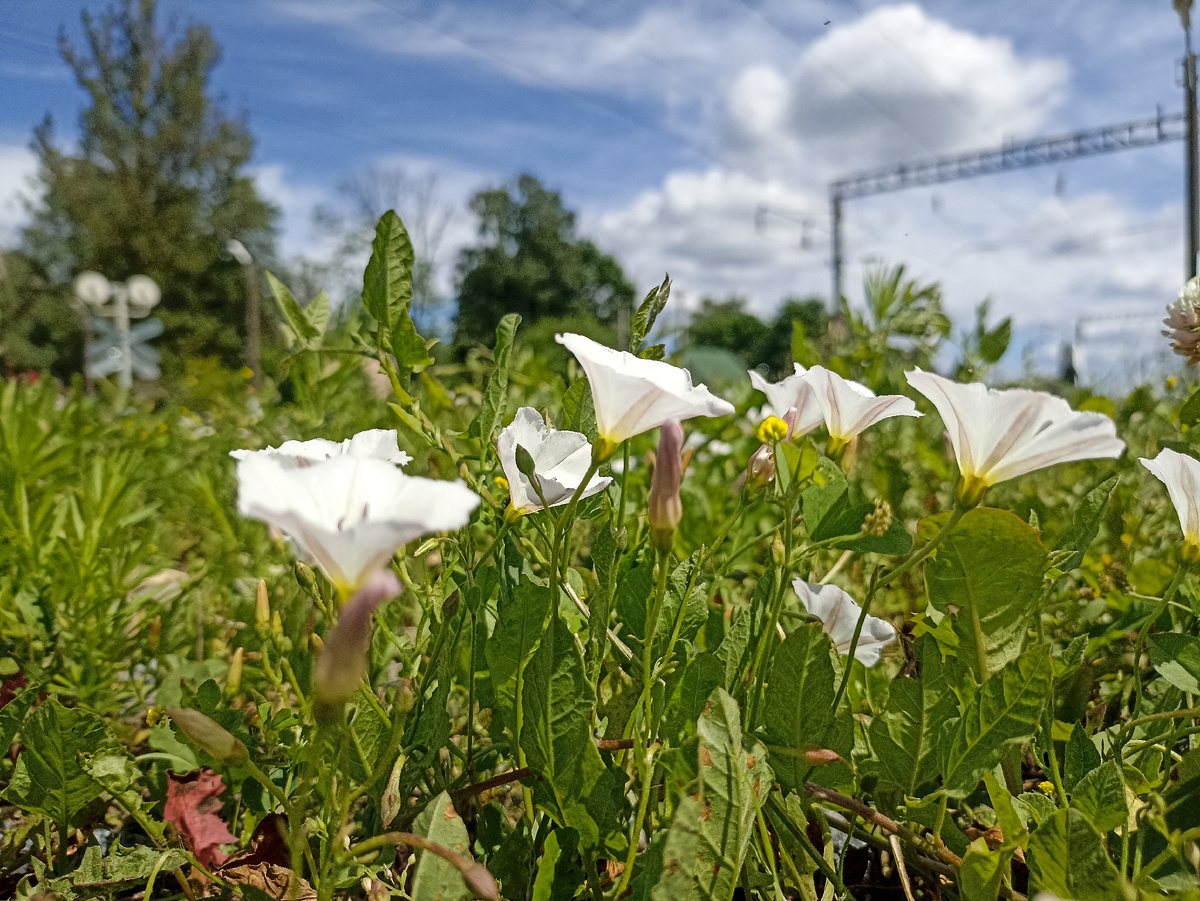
496 627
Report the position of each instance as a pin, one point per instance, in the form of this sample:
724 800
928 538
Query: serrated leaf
690 692
798 713
982 870
1176 657
1100 796
1003 711
993 344
13 714
122 865
1085 524
49 777
733 781
652 305
679 850
557 731
316 312
118 775
293 313
435 879
1067 858
495 396
987 576
559 877
904 738
387 292
736 650
520 623
687 613
579 414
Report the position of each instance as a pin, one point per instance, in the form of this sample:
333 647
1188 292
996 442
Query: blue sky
667 123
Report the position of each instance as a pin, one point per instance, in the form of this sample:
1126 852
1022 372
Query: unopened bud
761 468
481 882
342 664
318 644
209 736
778 551
262 608
234 681
154 634
525 464
879 520
665 509
276 624
307 580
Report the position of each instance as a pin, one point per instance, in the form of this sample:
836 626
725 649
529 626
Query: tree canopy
158 185
532 262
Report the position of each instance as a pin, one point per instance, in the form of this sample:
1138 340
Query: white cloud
17 168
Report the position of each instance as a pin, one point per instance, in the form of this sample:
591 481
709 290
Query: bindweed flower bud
480 881
525 464
342 665
262 608
665 508
234 681
761 468
778 551
207 735
307 580
1183 322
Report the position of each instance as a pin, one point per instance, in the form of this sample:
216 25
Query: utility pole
237 250
1039 152
1193 143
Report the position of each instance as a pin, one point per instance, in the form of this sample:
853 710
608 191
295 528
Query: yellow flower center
773 429
971 489
512 514
605 448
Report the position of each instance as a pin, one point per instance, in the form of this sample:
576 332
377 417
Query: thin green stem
1140 645
645 774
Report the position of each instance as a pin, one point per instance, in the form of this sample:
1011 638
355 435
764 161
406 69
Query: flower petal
791 394
839 614
561 459
632 395
1181 474
850 408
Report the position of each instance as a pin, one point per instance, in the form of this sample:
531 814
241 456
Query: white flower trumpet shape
350 515
561 459
1181 474
632 395
374 444
793 393
850 408
999 435
839 615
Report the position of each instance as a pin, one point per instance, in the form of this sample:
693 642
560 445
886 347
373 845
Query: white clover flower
839 615
849 408
373 444
560 459
632 395
999 435
1181 474
793 393
1183 322
349 514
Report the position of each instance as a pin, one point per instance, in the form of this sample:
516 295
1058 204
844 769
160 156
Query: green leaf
733 779
1100 796
118 775
1003 711
1067 858
557 731
520 624
435 879
495 396
163 739
982 870
904 738
689 613
648 312
690 692
387 292
604 560
679 853
13 714
1034 805
1189 413
316 313
1085 524
1177 659
988 576
122 865
827 499
736 650
798 713
49 778
993 344
293 313
1080 757
559 878
579 414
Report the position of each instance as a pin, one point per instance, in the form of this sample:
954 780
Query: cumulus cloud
17 168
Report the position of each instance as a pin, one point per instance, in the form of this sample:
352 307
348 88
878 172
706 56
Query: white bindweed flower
1181 474
373 444
999 435
349 514
793 393
560 459
632 395
849 408
839 615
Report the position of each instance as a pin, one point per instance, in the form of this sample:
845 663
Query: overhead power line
1038 152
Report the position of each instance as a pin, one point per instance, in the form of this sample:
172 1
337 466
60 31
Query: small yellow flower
1126 539
1046 788
247 372
1172 381
154 715
772 429
501 483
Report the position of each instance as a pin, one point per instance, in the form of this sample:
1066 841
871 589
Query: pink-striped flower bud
208 735
342 664
666 509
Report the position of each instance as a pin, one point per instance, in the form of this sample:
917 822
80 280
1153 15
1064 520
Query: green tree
531 262
727 324
158 185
